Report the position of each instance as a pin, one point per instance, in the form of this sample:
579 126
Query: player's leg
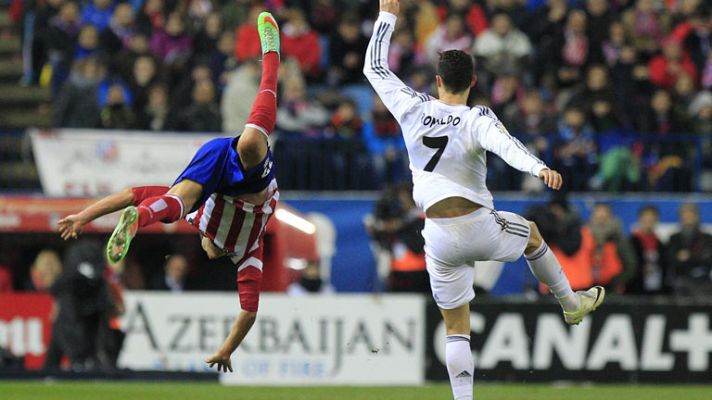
546 268
252 145
452 291
458 355
153 204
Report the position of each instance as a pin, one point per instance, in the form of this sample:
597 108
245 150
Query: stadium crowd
614 94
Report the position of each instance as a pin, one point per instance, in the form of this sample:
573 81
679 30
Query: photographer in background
83 307
395 230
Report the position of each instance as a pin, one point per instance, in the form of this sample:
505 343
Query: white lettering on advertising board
345 339
617 343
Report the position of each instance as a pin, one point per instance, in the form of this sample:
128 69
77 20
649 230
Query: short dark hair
648 208
456 69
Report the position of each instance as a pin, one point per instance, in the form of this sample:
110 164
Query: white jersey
446 144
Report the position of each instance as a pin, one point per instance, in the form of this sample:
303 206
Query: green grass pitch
41 390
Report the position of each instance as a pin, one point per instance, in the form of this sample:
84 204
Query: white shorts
452 245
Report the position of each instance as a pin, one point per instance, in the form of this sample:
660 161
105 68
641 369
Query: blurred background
98 95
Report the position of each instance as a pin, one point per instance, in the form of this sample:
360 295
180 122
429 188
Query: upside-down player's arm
249 281
396 96
71 225
492 136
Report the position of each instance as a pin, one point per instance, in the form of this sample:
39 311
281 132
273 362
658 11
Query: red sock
141 193
264 109
165 208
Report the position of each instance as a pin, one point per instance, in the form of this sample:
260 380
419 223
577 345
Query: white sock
546 268
460 366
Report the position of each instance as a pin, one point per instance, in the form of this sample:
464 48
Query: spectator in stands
346 52
575 150
543 26
450 35
532 122
346 123
76 105
503 48
395 228
614 261
206 39
683 93
612 46
152 17
203 115
649 277
184 87
247 40
698 41
145 75
222 61
573 50
98 13
600 17
646 26
597 98
310 282
661 117
123 61
154 116
87 43
44 271
55 44
172 45
301 42
666 68
473 13
385 144
121 29
297 114
689 255
117 112
403 54
701 111
175 275
238 96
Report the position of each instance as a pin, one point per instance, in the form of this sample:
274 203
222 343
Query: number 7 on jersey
439 143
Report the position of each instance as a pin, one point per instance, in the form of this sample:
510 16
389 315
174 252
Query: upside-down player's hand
390 6
222 360
551 178
70 226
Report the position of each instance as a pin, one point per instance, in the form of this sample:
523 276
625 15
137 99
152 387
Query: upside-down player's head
456 72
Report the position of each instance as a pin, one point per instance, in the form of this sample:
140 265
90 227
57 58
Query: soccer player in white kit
447 143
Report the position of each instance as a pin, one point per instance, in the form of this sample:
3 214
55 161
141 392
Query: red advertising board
25 327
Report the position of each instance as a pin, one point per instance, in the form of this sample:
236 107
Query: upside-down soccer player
228 192
447 143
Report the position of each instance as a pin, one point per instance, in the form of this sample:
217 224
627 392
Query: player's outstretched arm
71 226
491 134
397 97
249 281
243 323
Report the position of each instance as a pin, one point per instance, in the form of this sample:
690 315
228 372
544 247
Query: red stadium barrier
25 326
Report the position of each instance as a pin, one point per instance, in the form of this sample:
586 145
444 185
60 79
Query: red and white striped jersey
233 225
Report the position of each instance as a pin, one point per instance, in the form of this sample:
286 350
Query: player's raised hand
221 360
390 6
70 227
551 178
